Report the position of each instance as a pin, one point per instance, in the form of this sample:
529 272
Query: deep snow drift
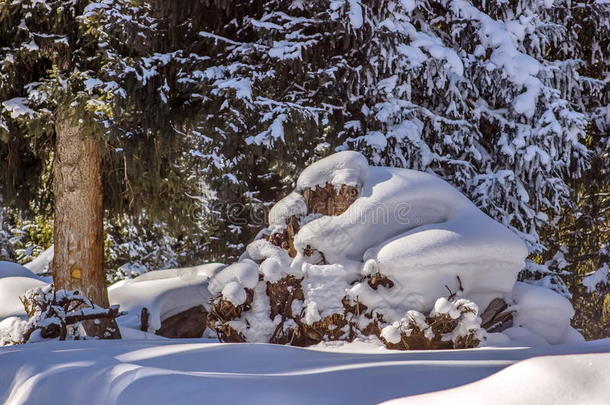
151 372
567 379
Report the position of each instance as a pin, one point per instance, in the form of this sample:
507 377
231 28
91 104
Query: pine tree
44 71
85 94
491 97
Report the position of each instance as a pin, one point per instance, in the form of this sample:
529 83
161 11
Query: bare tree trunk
78 263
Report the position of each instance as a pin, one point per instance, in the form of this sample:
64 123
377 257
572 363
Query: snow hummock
12 330
418 230
11 289
346 167
241 275
195 371
411 227
42 263
163 292
544 312
291 205
568 379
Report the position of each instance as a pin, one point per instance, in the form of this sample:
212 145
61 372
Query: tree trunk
78 263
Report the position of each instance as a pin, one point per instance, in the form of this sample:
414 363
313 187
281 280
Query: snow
11 288
600 276
544 312
355 14
291 205
242 87
567 379
416 229
12 330
244 273
17 107
10 269
234 293
42 263
163 292
193 371
520 68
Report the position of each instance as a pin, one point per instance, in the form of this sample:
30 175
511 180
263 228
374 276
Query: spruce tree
495 98
85 96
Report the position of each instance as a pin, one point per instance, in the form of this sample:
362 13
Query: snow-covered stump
395 254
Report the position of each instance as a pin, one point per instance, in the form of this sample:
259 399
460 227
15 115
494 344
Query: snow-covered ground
196 371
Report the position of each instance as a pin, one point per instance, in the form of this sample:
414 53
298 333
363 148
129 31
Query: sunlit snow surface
201 372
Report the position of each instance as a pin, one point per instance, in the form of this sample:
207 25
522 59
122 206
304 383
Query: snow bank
185 372
11 288
558 380
544 312
10 269
163 292
42 263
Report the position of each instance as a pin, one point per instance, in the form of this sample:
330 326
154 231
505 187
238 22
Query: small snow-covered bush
452 324
12 330
54 314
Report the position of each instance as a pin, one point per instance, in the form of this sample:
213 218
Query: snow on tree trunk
78 262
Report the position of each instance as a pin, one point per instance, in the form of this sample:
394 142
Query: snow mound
291 205
558 380
185 372
544 312
343 168
11 289
10 269
42 263
163 292
422 233
12 330
355 249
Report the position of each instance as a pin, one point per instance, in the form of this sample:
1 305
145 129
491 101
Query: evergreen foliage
210 109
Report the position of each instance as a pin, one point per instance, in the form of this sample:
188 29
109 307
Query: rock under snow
164 293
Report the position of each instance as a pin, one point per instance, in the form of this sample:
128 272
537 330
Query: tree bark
78 263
